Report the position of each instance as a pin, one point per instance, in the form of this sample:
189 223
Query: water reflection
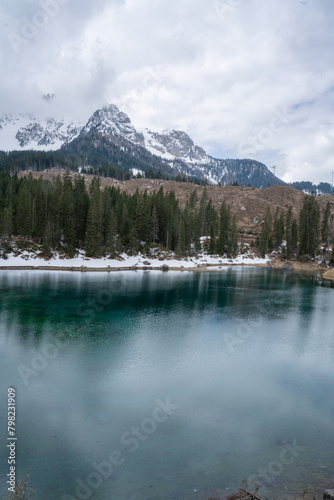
105 347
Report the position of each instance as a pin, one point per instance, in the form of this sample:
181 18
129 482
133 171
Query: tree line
298 238
64 215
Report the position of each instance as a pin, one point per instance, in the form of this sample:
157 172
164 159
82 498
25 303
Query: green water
188 382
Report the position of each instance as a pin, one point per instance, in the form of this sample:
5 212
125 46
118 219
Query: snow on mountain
110 121
169 145
174 145
26 132
109 127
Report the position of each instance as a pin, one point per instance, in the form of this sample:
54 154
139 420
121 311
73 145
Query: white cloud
221 70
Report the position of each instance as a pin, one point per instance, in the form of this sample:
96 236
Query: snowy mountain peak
110 121
109 128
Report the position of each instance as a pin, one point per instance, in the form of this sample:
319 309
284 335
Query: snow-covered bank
28 259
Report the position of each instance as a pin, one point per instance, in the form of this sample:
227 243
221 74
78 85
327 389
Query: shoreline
164 268
30 260
309 269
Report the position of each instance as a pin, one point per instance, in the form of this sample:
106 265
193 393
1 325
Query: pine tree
288 232
291 234
197 233
94 230
265 241
181 246
294 236
224 245
234 236
212 244
154 225
202 211
193 200
112 244
309 227
133 246
6 228
211 217
278 227
68 215
25 208
172 215
124 224
81 202
48 239
142 220
55 211
325 225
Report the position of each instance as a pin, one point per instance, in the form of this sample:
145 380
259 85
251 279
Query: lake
175 385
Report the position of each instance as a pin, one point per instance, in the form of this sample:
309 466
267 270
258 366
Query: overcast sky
244 78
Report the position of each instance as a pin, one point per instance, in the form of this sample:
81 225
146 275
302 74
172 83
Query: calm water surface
188 382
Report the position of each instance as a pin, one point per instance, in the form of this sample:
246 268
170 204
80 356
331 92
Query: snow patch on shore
126 261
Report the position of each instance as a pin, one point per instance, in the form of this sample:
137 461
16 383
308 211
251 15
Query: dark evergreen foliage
291 234
62 216
309 227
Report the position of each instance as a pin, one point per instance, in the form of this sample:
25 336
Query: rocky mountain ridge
109 138
25 132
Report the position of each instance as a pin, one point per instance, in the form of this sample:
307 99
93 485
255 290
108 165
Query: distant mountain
25 132
109 140
310 188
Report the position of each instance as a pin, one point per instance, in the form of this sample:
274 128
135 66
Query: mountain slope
109 140
169 152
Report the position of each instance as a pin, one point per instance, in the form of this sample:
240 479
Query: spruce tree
234 236
154 225
112 245
81 202
202 211
181 245
224 245
25 208
309 227
48 239
68 216
325 225
142 220
212 244
278 227
94 230
265 241
288 232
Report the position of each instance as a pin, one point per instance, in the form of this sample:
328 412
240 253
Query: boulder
146 263
329 495
269 264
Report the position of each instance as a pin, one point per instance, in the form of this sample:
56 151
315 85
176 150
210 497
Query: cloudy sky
244 78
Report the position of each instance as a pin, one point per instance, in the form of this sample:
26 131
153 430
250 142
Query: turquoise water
153 385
